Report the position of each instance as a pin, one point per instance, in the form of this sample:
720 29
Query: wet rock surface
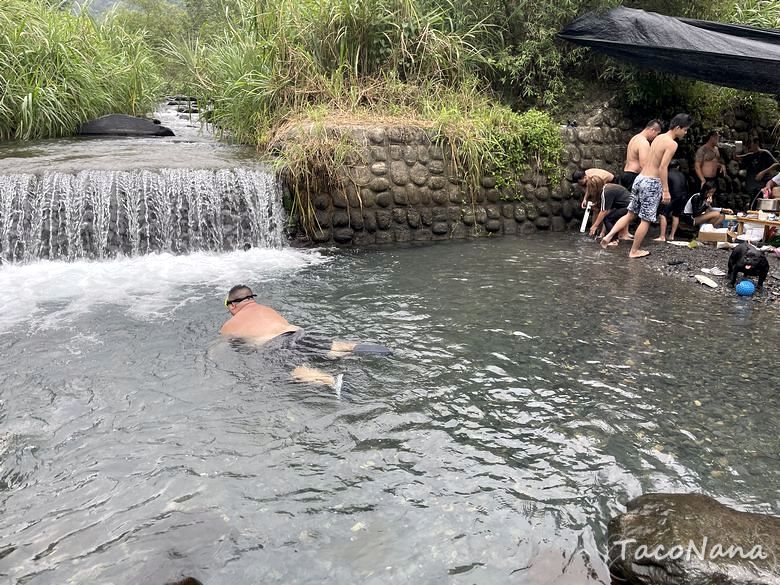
684 263
692 539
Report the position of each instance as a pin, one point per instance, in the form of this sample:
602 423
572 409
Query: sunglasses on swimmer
229 302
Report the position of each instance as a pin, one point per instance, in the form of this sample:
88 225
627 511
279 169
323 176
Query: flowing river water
537 385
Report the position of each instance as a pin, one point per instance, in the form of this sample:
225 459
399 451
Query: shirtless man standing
651 186
707 160
636 153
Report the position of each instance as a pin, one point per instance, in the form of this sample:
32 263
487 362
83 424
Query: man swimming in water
259 325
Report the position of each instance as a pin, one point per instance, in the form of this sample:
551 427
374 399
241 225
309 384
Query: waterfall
102 214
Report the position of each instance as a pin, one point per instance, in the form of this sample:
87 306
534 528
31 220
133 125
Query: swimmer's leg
313 376
342 348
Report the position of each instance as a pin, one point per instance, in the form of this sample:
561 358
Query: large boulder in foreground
122 125
692 539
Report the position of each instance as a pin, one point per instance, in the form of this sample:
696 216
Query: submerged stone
692 539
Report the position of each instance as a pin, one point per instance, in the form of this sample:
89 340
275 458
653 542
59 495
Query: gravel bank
685 263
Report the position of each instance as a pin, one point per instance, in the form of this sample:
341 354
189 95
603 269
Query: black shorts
627 179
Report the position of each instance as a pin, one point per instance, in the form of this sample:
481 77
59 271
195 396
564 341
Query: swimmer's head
238 295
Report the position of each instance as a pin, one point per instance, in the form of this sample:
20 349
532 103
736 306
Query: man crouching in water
651 187
258 324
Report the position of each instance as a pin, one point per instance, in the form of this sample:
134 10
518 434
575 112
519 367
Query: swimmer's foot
659 239
639 254
313 376
605 242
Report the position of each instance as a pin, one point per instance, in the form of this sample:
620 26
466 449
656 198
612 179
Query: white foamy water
49 294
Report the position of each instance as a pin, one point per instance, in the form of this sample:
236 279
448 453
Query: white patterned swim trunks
646 195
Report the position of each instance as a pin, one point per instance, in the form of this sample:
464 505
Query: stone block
369 221
321 202
414 196
378 153
437 182
340 200
376 135
396 152
543 222
468 218
558 224
436 152
413 218
402 234
422 153
573 153
509 226
480 215
439 214
454 213
436 167
492 195
343 235
400 196
323 218
384 219
458 231
440 228
488 182
419 175
440 197
520 216
384 199
399 173
425 196
399 215
508 210
410 154
527 228
356 219
379 168
493 211
368 197
379 184
340 219
426 216
423 235
364 239
384 237
542 194
321 235
493 225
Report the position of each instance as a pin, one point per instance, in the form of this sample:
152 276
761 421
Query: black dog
749 260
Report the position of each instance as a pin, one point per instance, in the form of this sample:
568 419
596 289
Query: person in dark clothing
678 189
699 210
758 164
613 200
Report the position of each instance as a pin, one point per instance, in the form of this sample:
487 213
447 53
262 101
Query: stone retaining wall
402 187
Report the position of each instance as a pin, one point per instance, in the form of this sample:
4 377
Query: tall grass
366 61
58 70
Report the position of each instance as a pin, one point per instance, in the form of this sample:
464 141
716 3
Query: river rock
692 539
122 125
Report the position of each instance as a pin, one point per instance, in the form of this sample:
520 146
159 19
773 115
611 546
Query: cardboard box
776 193
714 236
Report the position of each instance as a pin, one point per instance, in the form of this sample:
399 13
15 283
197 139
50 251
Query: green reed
58 70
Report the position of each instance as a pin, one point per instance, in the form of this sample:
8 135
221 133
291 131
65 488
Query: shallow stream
537 385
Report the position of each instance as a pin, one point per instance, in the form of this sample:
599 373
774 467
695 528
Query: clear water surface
537 385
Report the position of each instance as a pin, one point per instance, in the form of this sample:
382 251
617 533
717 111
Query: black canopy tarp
731 55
